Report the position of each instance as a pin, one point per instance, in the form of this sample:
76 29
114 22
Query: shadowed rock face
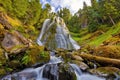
14 42
55 34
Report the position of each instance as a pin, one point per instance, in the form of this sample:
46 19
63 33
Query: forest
94 29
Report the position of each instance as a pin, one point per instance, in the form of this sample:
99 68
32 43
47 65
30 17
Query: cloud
72 5
43 2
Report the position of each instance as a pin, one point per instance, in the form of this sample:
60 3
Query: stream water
49 71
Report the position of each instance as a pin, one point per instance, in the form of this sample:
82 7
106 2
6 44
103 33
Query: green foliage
33 12
65 14
25 59
35 54
7 5
19 7
92 26
112 31
74 24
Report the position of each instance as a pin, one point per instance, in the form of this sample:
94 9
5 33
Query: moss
2 72
66 72
2 57
2 9
35 54
108 51
64 54
108 70
14 22
16 48
14 64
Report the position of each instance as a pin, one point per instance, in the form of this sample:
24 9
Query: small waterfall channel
54 34
49 71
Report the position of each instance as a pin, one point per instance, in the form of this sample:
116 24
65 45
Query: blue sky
72 5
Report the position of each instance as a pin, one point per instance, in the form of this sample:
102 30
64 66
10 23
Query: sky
72 5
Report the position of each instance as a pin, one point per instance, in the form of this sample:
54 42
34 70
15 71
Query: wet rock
38 64
108 72
82 65
51 72
21 75
76 57
66 72
14 42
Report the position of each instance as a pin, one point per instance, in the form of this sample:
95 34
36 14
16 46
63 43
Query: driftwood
102 60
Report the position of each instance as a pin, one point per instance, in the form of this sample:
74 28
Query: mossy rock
2 72
2 57
114 40
35 54
66 72
2 31
64 54
81 64
15 64
110 51
109 72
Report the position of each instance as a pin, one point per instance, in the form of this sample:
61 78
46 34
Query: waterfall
49 71
40 73
55 34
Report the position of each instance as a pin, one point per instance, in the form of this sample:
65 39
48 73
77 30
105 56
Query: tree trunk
111 20
102 60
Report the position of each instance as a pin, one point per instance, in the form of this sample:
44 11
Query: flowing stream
54 34
49 71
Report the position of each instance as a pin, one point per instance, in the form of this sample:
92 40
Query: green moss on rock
66 72
35 54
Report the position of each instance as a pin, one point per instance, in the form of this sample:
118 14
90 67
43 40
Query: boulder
82 65
108 72
76 57
109 51
14 42
66 72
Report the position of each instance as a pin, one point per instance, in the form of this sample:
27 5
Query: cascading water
54 34
48 71
84 76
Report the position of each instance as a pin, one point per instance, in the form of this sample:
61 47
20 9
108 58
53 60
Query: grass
100 39
86 38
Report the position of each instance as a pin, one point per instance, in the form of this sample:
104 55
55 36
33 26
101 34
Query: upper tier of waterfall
55 34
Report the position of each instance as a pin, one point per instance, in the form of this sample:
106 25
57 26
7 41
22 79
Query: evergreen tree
33 12
19 7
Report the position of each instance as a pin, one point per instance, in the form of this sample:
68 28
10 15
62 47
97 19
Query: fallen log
102 60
